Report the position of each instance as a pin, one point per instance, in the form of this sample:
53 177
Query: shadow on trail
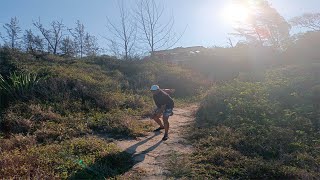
139 157
115 164
132 149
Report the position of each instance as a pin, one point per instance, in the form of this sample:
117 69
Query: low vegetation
54 109
264 129
85 157
62 102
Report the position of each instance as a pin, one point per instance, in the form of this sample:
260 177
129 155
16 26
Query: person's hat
154 87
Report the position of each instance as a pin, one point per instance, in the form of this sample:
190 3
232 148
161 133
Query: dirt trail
150 152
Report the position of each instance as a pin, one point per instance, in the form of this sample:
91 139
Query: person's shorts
158 112
167 112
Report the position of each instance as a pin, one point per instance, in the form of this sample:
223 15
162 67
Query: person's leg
167 113
166 125
158 121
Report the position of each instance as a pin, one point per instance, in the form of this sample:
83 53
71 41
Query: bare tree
78 34
13 30
114 48
90 45
1 38
67 47
33 43
155 34
308 21
230 42
28 40
53 36
123 35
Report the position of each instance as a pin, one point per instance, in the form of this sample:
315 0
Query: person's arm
156 102
157 111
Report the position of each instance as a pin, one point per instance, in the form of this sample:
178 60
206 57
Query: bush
24 118
141 74
89 157
259 129
118 123
45 124
18 141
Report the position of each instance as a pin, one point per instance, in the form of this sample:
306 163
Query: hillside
258 129
56 112
70 118
240 94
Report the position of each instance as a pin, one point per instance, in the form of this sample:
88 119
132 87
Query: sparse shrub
81 157
7 61
134 102
269 126
67 128
117 122
18 141
13 123
178 165
25 118
141 74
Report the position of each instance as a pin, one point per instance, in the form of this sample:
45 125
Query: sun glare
235 13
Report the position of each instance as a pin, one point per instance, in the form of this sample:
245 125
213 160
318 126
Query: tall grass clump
18 85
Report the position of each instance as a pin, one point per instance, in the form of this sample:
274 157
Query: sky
204 21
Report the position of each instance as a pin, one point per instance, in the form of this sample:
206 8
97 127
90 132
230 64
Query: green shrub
18 141
25 118
44 127
87 158
118 123
178 165
269 126
141 74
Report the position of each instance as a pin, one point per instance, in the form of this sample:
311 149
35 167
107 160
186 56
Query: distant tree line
136 30
54 38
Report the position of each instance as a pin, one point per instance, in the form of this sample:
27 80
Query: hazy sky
205 21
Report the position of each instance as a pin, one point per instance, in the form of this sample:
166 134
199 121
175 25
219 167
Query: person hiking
165 107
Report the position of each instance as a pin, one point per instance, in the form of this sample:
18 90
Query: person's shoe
158 129
165 137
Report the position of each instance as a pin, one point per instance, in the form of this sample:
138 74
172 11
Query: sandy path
150 152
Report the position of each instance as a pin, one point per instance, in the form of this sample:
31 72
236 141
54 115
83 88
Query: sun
235 13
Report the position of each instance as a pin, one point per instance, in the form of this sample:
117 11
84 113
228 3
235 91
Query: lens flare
235 13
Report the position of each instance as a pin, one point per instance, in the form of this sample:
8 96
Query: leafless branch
123 34
154 34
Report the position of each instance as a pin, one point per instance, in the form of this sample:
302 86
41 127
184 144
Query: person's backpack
169 91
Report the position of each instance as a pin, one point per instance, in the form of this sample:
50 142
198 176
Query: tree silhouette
123 35
155 34
308 20
53 36
78 33
265 26
12 30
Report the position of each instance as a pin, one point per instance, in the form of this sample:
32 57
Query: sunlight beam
235 13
